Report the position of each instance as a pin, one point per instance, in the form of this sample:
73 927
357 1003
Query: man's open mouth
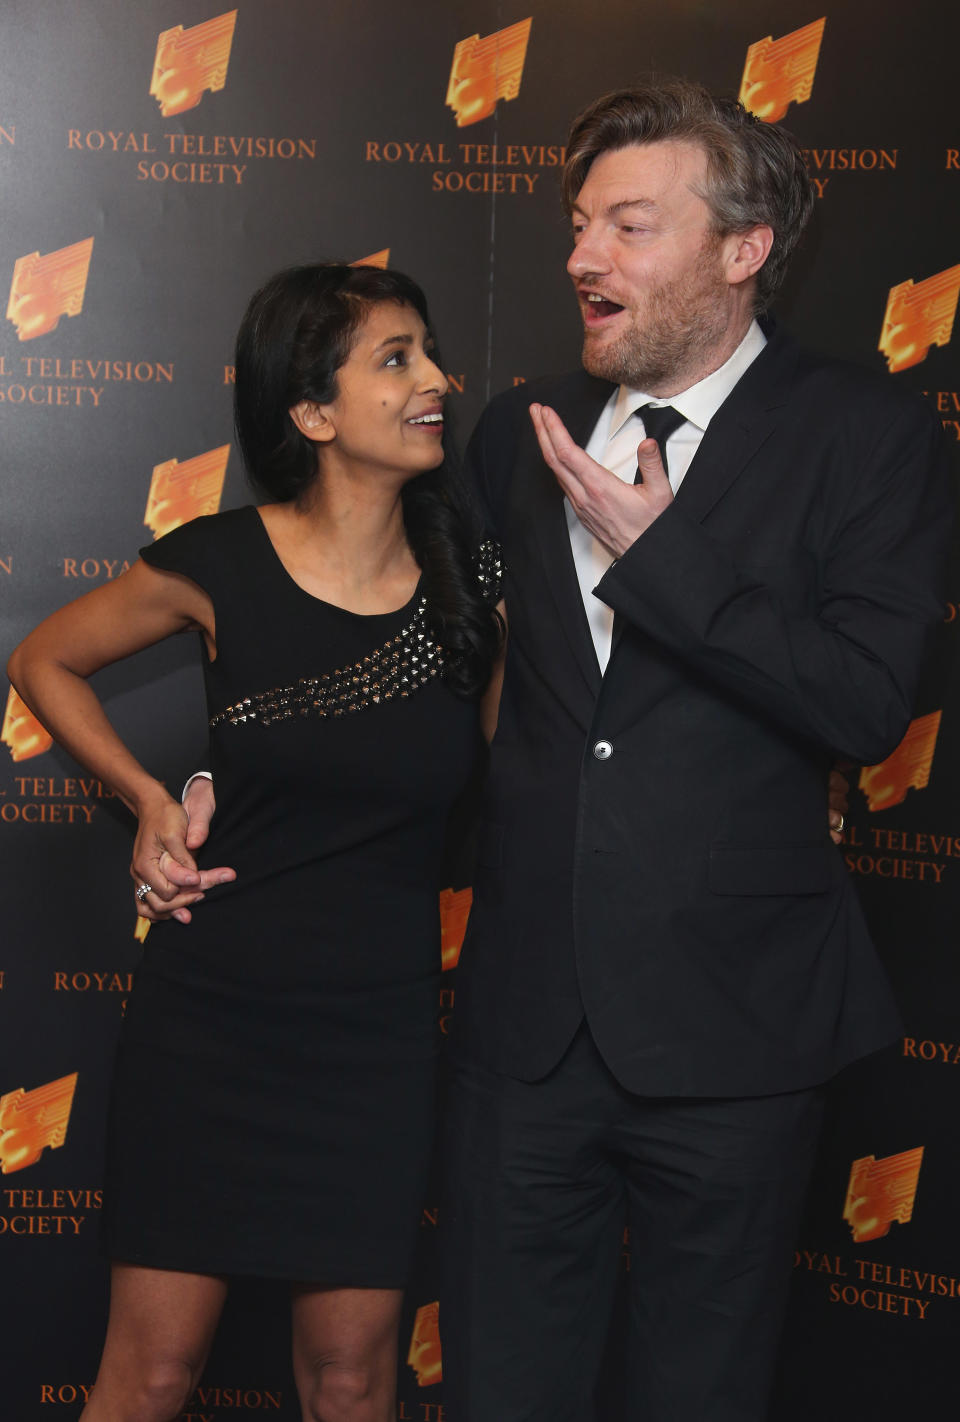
600 306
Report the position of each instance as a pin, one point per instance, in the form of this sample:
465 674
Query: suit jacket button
603 750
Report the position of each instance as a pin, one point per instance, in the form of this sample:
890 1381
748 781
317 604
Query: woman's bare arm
50 670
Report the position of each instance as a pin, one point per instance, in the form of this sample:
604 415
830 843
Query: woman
278 1054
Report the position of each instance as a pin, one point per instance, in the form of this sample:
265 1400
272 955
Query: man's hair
755 171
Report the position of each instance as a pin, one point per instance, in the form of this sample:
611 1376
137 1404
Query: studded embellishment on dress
400 667
490 570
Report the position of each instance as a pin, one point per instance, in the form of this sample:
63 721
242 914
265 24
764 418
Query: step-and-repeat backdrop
157 161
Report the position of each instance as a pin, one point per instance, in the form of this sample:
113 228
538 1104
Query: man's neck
704 363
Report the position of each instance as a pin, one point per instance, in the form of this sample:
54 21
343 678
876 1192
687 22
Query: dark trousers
543 1177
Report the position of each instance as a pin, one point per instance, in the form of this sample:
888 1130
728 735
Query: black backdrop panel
329 135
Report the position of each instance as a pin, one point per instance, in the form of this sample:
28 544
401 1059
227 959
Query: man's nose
589 256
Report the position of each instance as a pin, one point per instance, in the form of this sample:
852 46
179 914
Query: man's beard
670 343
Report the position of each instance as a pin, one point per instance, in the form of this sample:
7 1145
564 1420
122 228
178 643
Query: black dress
273 1102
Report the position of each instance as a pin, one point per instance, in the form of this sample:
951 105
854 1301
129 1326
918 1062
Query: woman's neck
345 542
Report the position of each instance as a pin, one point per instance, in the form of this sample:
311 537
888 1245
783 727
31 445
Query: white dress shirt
613 444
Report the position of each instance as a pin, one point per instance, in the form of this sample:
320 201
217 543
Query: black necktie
659 421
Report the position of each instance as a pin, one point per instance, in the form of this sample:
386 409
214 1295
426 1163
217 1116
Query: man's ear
746 252
313 421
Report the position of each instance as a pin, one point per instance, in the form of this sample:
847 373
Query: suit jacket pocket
771 869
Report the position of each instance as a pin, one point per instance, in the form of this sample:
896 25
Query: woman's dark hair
297 332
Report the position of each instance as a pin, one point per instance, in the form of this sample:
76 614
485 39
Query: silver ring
838 829
143 890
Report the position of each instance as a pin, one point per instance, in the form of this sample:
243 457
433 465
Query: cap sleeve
205 550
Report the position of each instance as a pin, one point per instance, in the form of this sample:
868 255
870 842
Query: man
665 958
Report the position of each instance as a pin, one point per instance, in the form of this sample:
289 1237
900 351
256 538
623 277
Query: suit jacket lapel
579 406
741 426
744 422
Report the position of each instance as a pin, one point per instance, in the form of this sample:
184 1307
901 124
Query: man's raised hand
614 512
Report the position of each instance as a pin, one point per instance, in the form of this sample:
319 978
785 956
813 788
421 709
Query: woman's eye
396 358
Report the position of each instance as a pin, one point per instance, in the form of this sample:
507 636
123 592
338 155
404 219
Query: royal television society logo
880 1192
22 733
379 259
190 63
181 492
33 1121
907 768
198 1409
778 73
919 315
424 1355
891 851
484 71
42 290
455 907
45 288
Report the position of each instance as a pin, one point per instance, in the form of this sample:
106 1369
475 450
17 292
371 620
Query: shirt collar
701 402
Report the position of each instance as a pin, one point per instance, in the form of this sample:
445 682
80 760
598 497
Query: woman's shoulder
207 536
211 549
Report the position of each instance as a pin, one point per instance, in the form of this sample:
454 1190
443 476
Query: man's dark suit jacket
684 893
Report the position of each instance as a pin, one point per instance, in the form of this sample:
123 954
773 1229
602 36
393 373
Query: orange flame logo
908 768
486 70
778 73
189 62
22 732
881 1191
376 259
424 1356
31 1120
917 317
180 492
455 907
45 288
